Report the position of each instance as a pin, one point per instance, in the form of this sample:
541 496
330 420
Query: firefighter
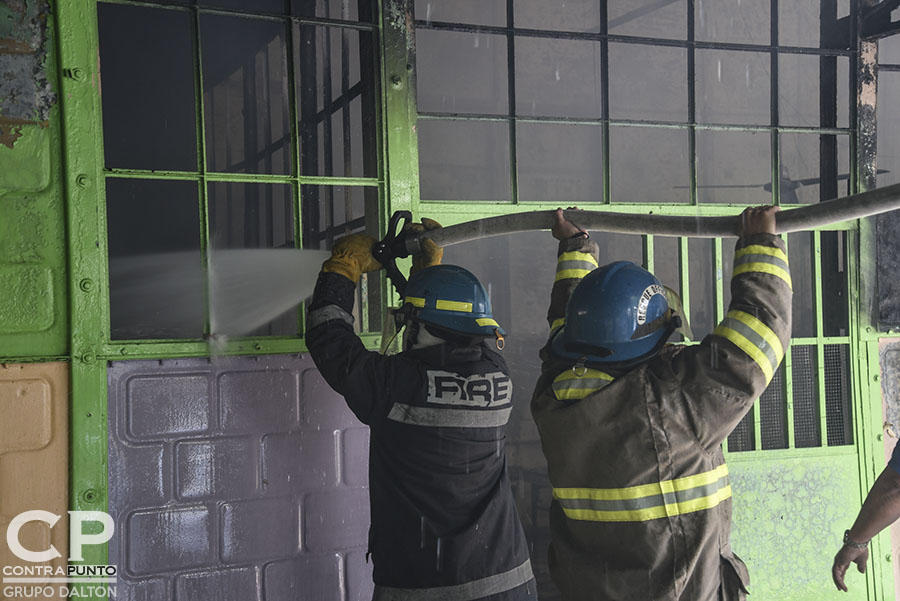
444 521
632 427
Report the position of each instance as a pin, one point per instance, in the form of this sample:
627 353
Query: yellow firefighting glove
431 253
352 256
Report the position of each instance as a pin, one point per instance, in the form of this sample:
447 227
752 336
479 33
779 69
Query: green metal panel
33 317
80 91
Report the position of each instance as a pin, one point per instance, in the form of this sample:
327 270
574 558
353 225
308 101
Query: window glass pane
245 95
835 305
805 397
802 23
803 321
666 266
579 15
889 50
702 301
558 78
733 87
735 21
461 72
155 267
647 82
648 18
348 10
147 73
480 12
888 127
619 247
649 164
253 216
806 83
559 162
337 101
254 6
728 249
463 160
330 213
734 167
805 176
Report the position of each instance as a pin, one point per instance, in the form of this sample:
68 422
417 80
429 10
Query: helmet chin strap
415 337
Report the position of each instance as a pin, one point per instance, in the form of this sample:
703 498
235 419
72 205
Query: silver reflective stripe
563 265
326 314
754 338
762 259
667 498
476 589
453 418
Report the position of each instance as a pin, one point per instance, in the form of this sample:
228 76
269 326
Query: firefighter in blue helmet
444 521
632 427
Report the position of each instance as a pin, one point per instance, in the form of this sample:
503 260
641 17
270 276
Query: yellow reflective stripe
561 321
566 274
486 321
757 249
576 255
642 490
569 386
765 268
446 305
588 373
415 301
755 351
651 513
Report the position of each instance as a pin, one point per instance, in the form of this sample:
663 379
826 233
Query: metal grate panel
773 414
837 395
741 438
806 397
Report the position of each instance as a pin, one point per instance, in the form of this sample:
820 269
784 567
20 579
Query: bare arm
880 509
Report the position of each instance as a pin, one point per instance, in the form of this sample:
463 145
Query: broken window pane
888 126
734 167
347 10
336 93
463 160
558 162
800 248
146 62
461 72
733 87
805 176
702 299
809 23
480 12
648 18
649 164
155 266
253 216
647 82
245 95
579 15
332 212
733 21
558 78
806 83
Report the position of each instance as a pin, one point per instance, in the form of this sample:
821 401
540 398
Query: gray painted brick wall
244 479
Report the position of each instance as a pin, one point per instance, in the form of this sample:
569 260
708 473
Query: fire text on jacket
479 390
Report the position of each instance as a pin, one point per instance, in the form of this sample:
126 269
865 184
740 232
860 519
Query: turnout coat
641 505
444 520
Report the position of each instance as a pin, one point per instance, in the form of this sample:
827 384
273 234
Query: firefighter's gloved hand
352 256
431 254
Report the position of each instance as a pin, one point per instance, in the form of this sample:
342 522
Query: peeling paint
25 92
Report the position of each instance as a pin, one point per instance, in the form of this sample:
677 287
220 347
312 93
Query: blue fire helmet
451 298
618 312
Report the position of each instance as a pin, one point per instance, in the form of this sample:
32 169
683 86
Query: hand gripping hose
856 206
